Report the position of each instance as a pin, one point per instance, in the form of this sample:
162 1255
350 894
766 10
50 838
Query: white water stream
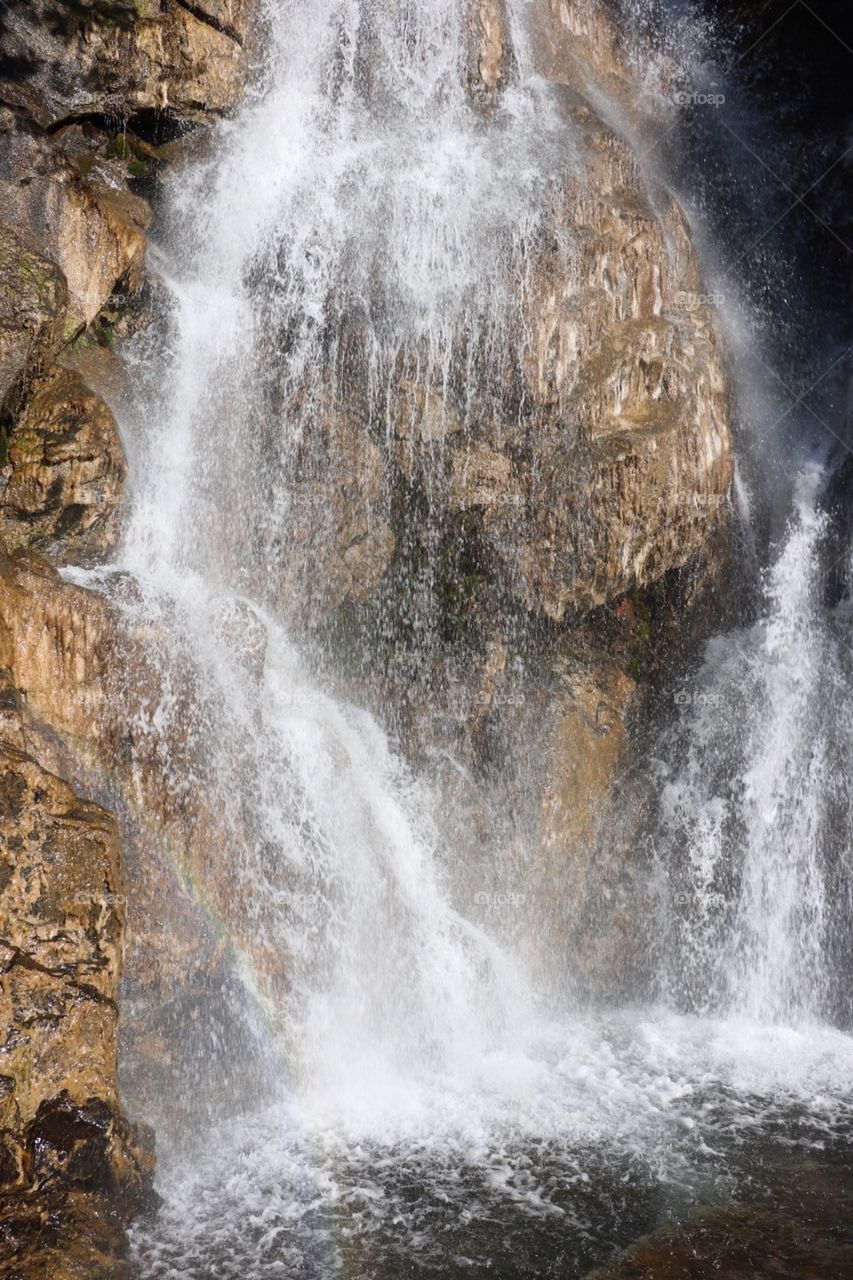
358 192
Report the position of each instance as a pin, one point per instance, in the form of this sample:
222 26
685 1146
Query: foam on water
658 1103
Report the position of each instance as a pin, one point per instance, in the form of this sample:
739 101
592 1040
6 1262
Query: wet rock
110 700
119 59
61 1237
61 924
65 472
338 523
627 461
597 462
587 745
489 56
740 1244
71 204
33 301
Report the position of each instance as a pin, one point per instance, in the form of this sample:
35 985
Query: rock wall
66 1147
87 91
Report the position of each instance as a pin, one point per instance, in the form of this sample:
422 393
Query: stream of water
434 1122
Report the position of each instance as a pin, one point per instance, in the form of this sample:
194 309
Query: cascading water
751 805
363 211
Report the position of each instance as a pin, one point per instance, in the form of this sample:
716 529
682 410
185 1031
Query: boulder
742 1243
70 203
590 458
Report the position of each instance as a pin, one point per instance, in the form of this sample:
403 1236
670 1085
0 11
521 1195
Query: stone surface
65 472
112 701
489 56
71 204
621 469
33 301
740 1244
118 59
598 461
75 1236
61 923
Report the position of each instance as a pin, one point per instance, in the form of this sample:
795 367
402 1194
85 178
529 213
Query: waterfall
360 228
748 809
361 208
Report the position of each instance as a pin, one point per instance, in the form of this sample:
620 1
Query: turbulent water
432 1121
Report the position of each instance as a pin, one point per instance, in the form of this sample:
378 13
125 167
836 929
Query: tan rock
337 528
489 59
108 698
587 746
61 922
74 210
65 472
592 902
33 300
156 55
595 457
480 477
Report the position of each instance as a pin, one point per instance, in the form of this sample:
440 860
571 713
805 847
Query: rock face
622 470
33 301
70 202
73 1169
65 470
61 926
594 457
121 57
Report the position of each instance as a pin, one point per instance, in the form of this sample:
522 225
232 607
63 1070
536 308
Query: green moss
120 147
38 276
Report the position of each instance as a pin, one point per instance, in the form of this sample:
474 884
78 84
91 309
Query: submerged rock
740 1244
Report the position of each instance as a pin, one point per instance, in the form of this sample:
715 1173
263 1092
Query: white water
752 803
392 216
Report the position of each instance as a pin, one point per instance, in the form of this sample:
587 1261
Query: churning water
362 213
